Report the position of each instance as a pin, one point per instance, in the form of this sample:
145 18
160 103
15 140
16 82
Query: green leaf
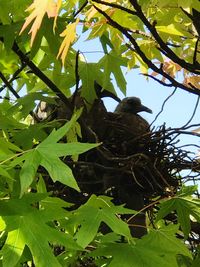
58 170
158 248
56 135
47 154
89 72
171 29
10 123
97 210
28 226
111 64
13 249
4 173
29 169
185 205
7 146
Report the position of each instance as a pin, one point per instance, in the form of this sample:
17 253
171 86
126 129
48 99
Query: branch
143 56
14 77
41 75
195 109
8 85
162 108
77 79
81 8
132 12
164 48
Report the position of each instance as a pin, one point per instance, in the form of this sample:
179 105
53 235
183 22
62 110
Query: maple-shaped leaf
184 205
69 35
47 154
158 248
111 64
38 9
27 226
96 210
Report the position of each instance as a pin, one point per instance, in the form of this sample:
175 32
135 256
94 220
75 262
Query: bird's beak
146 109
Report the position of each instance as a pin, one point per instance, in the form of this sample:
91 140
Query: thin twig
162 108
194 112
77 79
8 85
81 8
149 63
132 12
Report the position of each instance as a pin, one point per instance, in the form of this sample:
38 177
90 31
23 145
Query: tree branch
195 68
143 56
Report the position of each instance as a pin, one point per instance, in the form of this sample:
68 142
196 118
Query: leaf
95 211
56 135
4 173
31 229
158 248
29 169
38 10
111 64
69 35
184 205
58 170
170 29
10 123
47 154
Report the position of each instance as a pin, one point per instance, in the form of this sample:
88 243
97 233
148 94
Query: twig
164 48
41 75
162 108
8 85
132 12
195 109
157 80
77 79
14 77
81 8
149 63
195 51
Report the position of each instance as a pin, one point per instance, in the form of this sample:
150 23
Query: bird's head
131 105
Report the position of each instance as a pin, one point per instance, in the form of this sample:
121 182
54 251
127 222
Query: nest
133 168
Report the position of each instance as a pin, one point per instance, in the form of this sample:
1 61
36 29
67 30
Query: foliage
39 62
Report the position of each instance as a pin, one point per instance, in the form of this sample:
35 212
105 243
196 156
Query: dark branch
143 56
132 12
41 75
164 48
162 108
8 85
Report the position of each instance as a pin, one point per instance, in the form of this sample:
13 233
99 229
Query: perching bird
124 125
125 136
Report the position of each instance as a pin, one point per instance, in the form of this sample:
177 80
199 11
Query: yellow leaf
69 35
192 81
38 9
59 3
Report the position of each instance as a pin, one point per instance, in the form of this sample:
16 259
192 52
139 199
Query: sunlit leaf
69 35
31 229
38 9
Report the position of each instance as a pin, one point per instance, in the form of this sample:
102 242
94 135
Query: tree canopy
53 146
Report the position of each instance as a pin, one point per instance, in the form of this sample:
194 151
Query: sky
178 109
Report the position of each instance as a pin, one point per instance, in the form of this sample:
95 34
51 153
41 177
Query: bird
125 136
125 126
132 105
